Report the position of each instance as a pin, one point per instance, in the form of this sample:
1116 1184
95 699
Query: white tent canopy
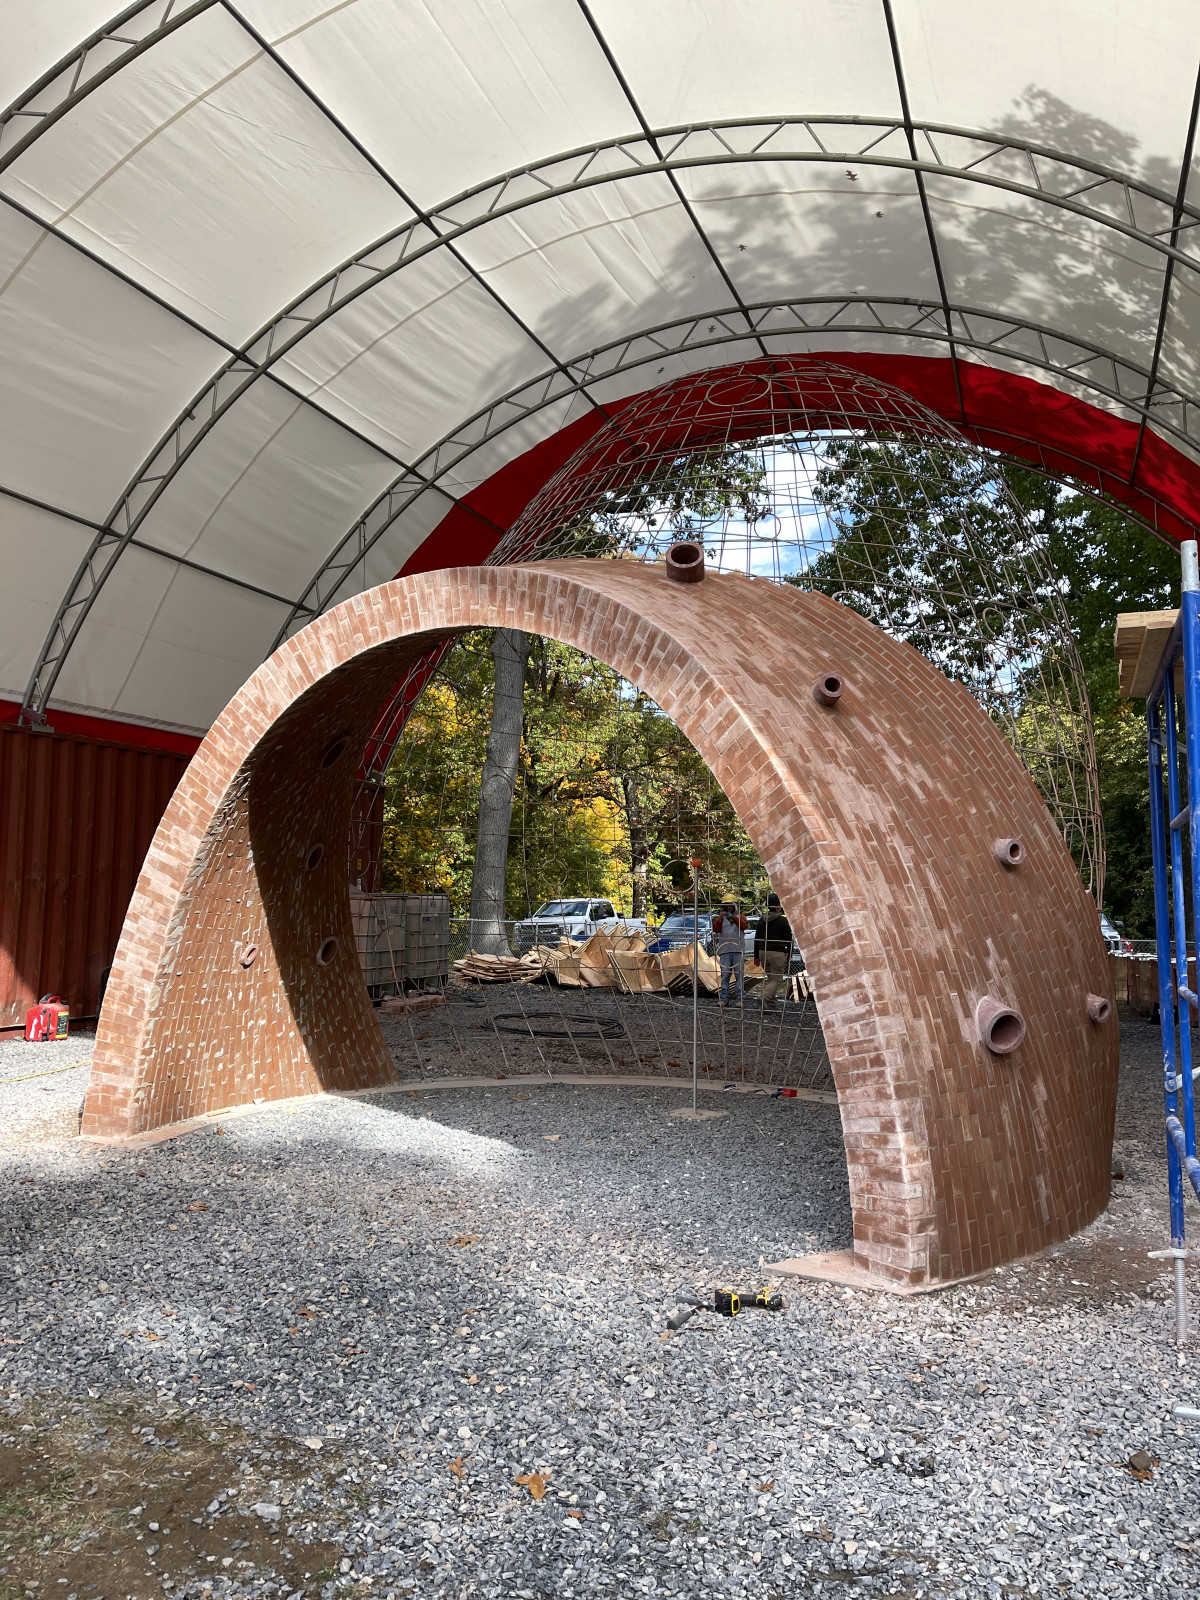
281 281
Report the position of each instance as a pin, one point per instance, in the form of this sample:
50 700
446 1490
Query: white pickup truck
558 919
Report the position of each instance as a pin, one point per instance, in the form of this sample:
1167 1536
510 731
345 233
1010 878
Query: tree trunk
639 846
510 650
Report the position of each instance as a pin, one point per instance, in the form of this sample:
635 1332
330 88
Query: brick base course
875 819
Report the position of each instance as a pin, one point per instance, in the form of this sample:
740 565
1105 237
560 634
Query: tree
895 505
510 650
705 482
609 798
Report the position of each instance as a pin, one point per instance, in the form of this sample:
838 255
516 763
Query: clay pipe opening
1009 852
1001 1028
827 690
1099 1007
685 562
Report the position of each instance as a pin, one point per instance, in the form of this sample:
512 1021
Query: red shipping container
49 1019
76 817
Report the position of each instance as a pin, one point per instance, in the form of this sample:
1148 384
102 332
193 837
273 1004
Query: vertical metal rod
1162 934
695 978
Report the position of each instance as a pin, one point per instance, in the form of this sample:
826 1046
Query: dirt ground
109 1497
503 1030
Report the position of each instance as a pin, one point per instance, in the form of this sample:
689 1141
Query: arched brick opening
877 819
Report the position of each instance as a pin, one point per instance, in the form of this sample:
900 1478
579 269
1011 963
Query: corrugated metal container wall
76 819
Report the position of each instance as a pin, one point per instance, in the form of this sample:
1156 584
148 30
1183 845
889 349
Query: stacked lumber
478 968
552 961
636 971
596 970
402 1005
543 961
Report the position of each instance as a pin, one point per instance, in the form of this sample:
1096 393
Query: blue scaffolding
1169 818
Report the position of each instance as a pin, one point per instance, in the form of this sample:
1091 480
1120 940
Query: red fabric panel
501 499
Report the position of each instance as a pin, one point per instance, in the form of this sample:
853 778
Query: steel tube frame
1190 622
1183 1050
827 316
1168 819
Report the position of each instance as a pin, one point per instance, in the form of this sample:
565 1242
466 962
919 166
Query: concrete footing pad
839 1266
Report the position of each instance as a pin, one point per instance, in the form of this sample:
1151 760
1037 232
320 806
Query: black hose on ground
519 1022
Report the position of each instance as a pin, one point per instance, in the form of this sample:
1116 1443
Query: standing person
728 928
773 941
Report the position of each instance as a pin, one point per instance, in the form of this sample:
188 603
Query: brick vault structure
880 818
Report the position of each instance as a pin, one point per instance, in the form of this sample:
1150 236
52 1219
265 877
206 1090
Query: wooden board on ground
400 1005
677 970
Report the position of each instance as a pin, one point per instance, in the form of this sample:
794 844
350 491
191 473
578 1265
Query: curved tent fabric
295 294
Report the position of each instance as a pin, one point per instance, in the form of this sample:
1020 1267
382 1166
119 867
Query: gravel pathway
452 1292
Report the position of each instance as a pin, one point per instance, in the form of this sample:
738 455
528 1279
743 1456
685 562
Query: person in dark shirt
773 941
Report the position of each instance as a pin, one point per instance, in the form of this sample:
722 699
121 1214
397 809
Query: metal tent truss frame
973 329
1162 223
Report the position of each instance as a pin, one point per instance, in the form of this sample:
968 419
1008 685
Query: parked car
680 929
564 919
1115 942
677 930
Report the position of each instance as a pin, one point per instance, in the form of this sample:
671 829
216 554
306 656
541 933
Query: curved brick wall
875 819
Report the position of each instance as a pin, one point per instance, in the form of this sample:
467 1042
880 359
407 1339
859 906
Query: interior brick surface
875 819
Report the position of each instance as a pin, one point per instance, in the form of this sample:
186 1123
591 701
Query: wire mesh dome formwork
813 475
818 475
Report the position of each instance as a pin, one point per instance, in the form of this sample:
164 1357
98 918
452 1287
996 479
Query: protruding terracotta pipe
827 690
1099 1007
1000 1027
685 562
1009 852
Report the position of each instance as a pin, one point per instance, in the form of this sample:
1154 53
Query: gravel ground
41 1088
452 1292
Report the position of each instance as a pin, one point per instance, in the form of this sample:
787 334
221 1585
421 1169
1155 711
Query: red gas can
47 1020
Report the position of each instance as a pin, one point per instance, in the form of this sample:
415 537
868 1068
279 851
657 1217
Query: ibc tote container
427 940
379 939
403 940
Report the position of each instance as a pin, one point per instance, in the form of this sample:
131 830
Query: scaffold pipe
1190 1164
